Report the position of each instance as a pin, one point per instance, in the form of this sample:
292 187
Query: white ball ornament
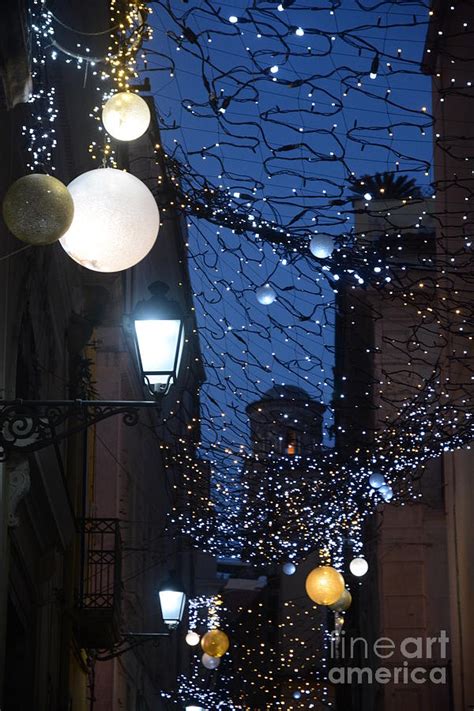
210 662
192 638
358 567
289 568
126 116
266 295
386 492
116 220
321 246
376 481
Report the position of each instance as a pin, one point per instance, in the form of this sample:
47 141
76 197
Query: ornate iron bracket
30 425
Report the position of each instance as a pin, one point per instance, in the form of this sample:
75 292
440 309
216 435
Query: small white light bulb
358 567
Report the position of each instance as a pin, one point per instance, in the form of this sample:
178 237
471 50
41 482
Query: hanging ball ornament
266 295
210 662
38 209
376 481
126 116
324 585
358 567
321 246
116 220
192 638
386 492
343 603
289 568
215 643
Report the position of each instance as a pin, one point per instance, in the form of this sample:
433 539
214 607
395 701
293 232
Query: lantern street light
158 327
158 330
172 601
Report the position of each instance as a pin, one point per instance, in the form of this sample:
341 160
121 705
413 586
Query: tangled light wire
271 116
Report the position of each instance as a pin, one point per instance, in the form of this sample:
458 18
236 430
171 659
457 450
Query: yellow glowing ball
324 585
38 209
343 603
126 116
215 643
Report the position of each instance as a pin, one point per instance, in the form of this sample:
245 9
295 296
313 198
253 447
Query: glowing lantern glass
126 116
324 585
115 223
159 338
172 602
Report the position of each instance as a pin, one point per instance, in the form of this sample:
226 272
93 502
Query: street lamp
172 601
158 330
158 327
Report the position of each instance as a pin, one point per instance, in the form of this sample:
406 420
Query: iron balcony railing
100 583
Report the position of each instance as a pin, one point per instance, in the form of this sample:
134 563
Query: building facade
83 540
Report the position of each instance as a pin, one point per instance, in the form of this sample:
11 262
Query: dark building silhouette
286 422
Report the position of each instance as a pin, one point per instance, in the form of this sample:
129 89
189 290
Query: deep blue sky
247 346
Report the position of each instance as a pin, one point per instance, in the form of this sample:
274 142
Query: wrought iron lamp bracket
30 425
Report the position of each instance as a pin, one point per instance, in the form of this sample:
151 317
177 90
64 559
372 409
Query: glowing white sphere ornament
358 567
210 662
376 481
192 638
266 295
386 492
116 220
321 246
126 116
289 568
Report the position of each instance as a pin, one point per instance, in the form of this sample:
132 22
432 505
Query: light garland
264 223
40 133
205 611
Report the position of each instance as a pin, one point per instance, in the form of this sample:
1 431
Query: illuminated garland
281 662
205 611
40 133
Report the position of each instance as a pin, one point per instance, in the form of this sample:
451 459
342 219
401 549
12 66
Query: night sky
338 121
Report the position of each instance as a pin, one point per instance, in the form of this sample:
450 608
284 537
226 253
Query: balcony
99 598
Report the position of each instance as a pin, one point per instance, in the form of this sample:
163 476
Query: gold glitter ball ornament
215 643
38 209
324 585
343 603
